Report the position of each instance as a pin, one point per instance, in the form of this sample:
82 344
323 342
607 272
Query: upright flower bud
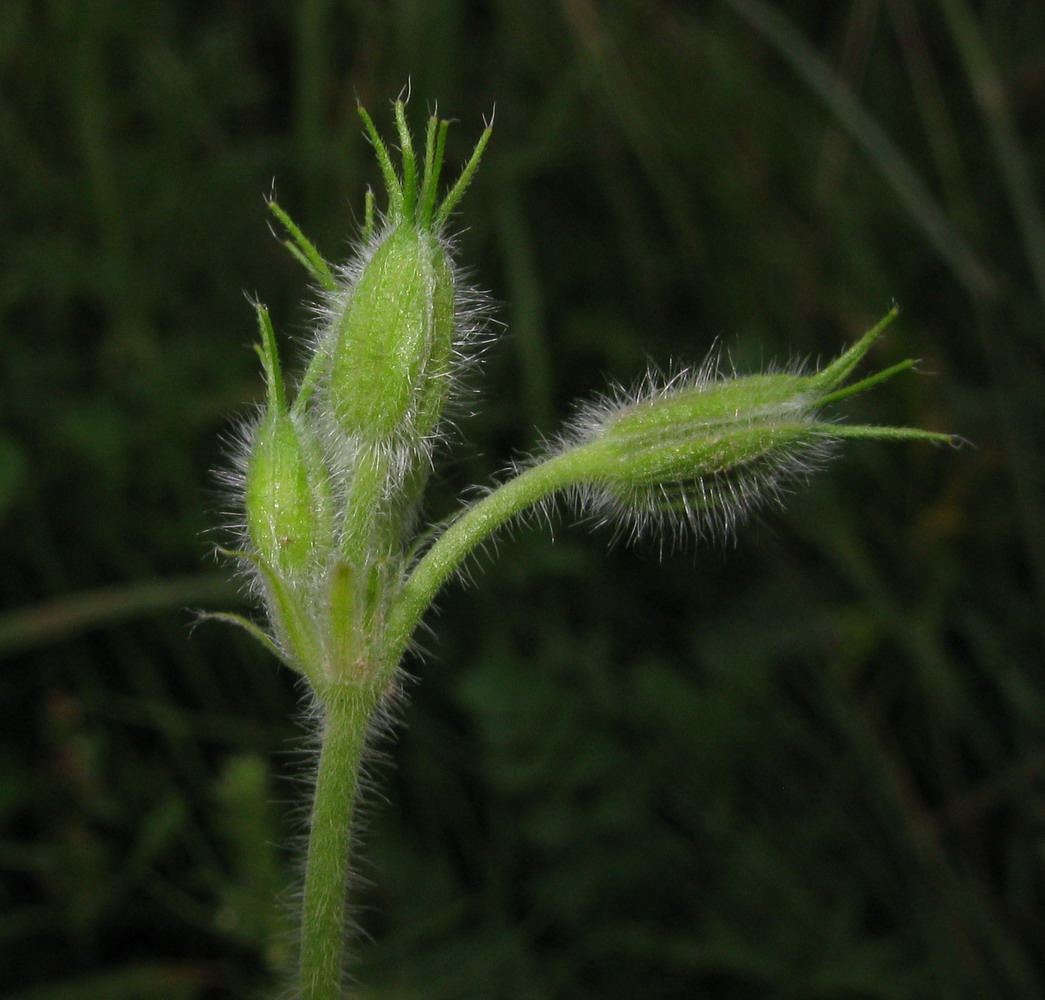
391 364
286 497
397 322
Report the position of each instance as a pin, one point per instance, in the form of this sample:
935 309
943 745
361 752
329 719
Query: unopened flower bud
396 326
286 491
390 365
397 319
706 449
288 515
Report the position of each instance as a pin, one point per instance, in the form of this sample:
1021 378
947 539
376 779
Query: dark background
809 764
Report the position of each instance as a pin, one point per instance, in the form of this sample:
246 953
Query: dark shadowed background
810 764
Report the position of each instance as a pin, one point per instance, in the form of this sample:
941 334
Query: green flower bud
713 448
391 361
285 499
706 449
397 320
286 491
396 326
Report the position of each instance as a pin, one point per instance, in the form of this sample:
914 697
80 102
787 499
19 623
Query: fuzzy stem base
346 719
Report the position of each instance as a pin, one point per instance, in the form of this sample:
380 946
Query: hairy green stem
347 710
365 507
470 528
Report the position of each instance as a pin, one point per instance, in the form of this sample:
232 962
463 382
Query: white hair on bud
405 453
704 506
473 310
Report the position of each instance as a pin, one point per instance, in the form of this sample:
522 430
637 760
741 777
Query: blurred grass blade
881 150
989 91
132 982
63 617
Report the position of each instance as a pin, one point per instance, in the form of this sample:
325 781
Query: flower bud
390 365
286 490
706 449
286 501
398 322
396 329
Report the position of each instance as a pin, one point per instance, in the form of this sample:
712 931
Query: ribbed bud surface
703 430
288 512
390 368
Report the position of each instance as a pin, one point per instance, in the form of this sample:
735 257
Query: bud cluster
331 481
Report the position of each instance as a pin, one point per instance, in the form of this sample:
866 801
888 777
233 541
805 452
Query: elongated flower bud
390 367
706 452
397 320
706 449
288 510
286 496
396 327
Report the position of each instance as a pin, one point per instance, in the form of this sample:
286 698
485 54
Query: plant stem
364 508
347 709
470 528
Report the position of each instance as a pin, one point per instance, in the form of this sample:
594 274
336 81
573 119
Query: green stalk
347 710
470 528
365 509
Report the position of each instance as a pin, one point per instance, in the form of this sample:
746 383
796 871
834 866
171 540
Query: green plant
330 482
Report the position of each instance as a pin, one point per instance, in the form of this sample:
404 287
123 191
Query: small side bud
286 496
287 513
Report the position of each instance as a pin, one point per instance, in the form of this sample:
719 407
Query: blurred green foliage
809 766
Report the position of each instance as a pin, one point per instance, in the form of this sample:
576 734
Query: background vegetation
810 765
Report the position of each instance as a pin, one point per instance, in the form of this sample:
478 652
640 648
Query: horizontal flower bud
706 449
